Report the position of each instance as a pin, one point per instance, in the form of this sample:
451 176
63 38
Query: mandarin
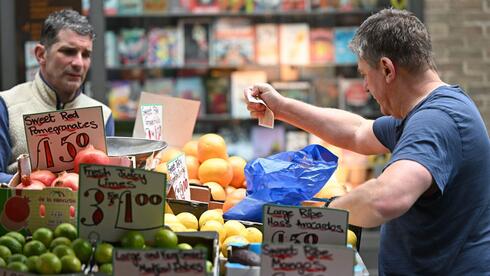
233 198
217 191
211 146
190 148
238 165
192 165
216 170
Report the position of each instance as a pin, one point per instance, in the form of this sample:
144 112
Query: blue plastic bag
286 178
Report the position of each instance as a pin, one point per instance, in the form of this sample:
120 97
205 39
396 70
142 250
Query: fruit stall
82 203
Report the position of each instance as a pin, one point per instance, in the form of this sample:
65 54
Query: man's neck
60 99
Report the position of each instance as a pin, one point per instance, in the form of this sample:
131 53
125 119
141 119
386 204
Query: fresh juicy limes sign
113 200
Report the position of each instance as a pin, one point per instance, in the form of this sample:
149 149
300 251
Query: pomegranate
45 176
35 185
90 155
66 180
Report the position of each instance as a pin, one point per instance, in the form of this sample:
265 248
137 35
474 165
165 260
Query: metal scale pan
140 148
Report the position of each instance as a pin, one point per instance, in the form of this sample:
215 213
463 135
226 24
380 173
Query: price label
55 138
152 116
304 225
179 177
115 199
159 262
306 259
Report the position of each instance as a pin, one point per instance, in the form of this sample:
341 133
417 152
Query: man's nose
77 60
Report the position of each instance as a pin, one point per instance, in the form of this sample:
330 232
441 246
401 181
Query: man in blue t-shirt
433 198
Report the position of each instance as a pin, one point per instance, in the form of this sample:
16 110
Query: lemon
208 215
252 234
351 238
233 228
176 226
170 218
232 239
213 225
188 220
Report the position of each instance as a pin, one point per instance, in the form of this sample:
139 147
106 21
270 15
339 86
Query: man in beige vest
63 54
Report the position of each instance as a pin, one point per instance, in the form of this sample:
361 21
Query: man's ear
40 53
388 68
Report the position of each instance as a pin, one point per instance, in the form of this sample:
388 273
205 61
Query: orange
233 198
190 148
192 166
169 154
238 165
216 170
195 180
162 167
217 191
229 190
211 146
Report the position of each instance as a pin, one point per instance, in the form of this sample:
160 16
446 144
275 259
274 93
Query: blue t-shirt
446 233
5 145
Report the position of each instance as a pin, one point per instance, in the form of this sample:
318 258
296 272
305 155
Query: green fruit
59 240
31 263
48 263
184 246
205 249
18 236
2 263
5 252
34 248
43 235
17 258
133 239
82 249
209 266
103 253
18 266
11 243
70 264
106 268
63 250
165 238
66 230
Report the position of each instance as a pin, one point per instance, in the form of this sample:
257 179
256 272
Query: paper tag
152 117
113 200
309 225
179 178
54 138
268 119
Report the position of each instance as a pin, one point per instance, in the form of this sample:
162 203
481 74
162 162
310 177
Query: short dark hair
398 35
64 19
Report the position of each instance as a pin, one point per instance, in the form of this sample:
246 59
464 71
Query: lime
31 263
106 268
11 243
18 266
133 239
48 263
82 249
103 253
34 248
63 250
2 263
70 264
66 230
17 258
18 236
4 252
43 235
165 238
184 246
59 240
204 248
209 266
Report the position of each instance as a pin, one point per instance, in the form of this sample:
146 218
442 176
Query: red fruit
91 155
45 176
35 185
66 180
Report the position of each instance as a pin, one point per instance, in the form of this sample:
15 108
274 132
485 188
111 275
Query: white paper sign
309 225
54 138
159 262
152 117
179 177
115 199
306 259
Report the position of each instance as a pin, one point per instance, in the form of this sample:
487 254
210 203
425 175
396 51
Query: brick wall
460 31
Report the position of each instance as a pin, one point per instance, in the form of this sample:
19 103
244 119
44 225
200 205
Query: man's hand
268 95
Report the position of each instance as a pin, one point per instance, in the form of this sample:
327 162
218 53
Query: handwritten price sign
115 199
152 116
159 262
306 259
304 225
179 177
55 138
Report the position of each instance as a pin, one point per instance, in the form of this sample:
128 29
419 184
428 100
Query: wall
460 33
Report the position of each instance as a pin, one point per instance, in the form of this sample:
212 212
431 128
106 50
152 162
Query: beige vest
35 97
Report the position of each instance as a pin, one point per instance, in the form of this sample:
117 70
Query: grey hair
398 35
64 19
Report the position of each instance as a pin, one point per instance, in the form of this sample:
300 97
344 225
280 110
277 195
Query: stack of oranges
208 164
